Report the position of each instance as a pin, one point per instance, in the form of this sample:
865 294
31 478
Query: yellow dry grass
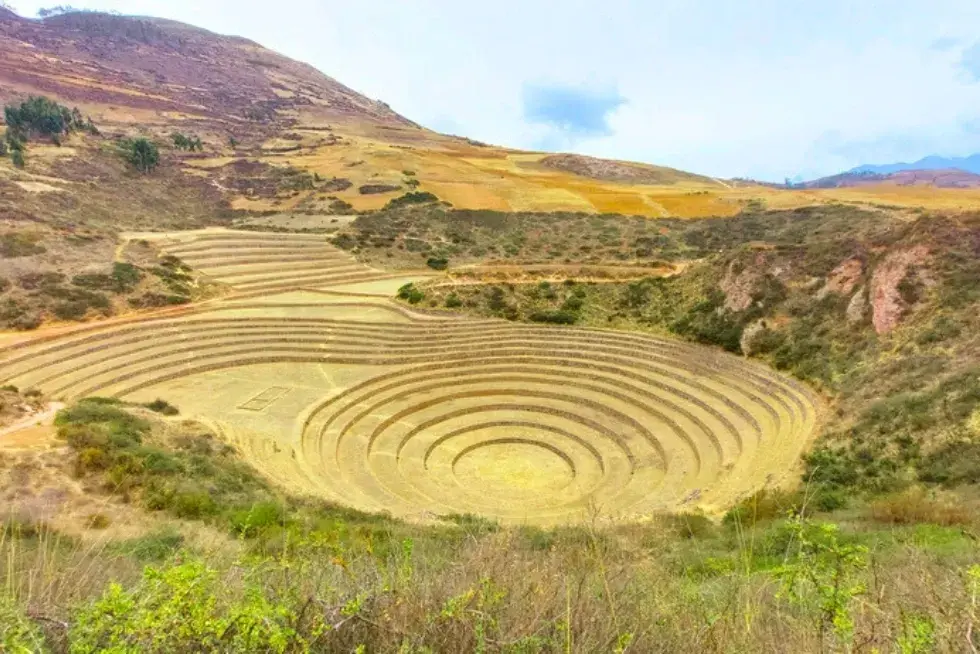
474 177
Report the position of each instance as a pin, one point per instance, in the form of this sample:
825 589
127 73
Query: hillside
262 113
942 178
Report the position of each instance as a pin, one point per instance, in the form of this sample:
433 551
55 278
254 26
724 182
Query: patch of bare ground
616 171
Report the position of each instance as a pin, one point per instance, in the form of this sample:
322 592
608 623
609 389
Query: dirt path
42 418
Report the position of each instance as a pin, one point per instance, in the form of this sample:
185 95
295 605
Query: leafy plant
820 568
141 153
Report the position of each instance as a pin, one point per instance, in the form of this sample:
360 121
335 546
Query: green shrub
39 115
765 505
190 143
17 158
151 300
453 301
193 504
573 304
177 609
18 634
141 153
252 521
560 317
411 294
415 197
341 207
952 464
437 263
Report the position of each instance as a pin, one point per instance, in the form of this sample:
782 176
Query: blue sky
756 88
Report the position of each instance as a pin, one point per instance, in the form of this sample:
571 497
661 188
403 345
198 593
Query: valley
282 370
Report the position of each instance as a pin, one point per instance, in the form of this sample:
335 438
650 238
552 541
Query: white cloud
763 88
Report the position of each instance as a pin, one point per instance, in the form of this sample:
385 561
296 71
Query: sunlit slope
472 176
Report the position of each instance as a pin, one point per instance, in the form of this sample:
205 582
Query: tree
18 158
3 148
141 153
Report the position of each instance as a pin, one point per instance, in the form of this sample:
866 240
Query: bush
252 521
437 263
150 300
375 189
163 407
17 158
141 153
18 634
185 608
554 317
190 143
453 301
415 197
411 294
763 506
40 116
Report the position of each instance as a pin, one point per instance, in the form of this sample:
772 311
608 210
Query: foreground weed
824 570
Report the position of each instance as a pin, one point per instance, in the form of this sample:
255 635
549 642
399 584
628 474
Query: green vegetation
411 294
415 197
191 476
123 278
141 153
437 263
40 116
189 143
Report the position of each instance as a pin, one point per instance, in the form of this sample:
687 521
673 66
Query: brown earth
617 171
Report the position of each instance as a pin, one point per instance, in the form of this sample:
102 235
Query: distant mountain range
970 164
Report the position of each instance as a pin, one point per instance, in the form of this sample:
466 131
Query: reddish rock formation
887 304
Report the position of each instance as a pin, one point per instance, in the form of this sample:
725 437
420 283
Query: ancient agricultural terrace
332 389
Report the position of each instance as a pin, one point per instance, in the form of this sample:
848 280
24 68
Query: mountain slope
173 69
278 135
949 178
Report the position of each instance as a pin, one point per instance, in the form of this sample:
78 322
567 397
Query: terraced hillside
259 263
357 400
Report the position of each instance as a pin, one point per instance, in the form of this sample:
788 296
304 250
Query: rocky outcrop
844 278
857 308
887 304
741 282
